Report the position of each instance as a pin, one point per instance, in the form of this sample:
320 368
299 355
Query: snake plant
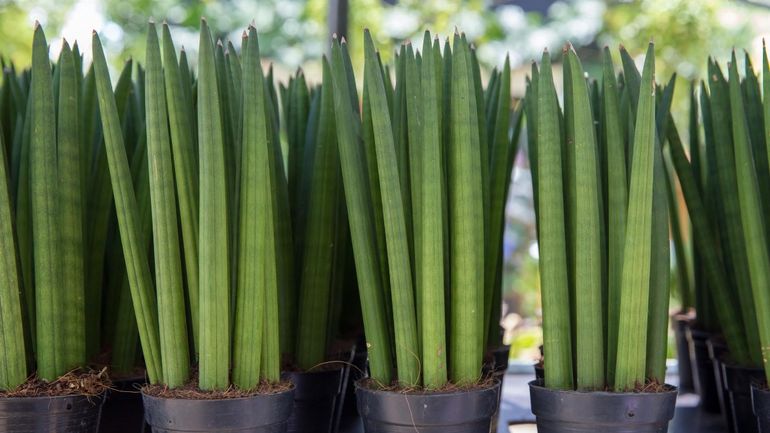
425 167
218 263
602 219
43 207
736 172
725 180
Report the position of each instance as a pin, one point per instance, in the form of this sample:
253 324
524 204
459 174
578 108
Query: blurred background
295 33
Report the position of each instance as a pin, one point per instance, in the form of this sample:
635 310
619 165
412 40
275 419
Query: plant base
441 412
601 412
58 414
123 411
264 413
703 370
760 402
737 382
318 400
680 323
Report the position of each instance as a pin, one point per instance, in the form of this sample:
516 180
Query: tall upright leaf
502 151
70 195
250 320
172 322
635 281
751 214
361 219
181 127
429 246
213 241
394 217
46 243
616 182
320 236
552 235
132 240
13 367
729 216
587 237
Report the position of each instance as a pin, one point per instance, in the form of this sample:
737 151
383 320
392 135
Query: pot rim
538 384
233 399
423 393
55 397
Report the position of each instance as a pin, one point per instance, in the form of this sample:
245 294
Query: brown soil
90 383
190 391
653 386
372 384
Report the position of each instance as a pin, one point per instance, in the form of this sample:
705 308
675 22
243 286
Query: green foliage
13 360
129 223
359 206
603 234
415 189
214 253
636 276
552 232
168 269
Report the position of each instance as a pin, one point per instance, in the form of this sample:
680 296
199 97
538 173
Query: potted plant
741 170
416 168
760 395
234 332
681 319
703 334
605 308
45 381
734 188
314 360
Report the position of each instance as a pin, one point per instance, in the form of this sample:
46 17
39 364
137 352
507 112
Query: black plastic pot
62 414
441 412
268 413
500 358
717 350
703 370
601 412
318 400
760 403
539 372
737 382
680 323
123 411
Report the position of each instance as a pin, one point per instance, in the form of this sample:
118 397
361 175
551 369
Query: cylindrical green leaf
172 322
134 248
214 254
